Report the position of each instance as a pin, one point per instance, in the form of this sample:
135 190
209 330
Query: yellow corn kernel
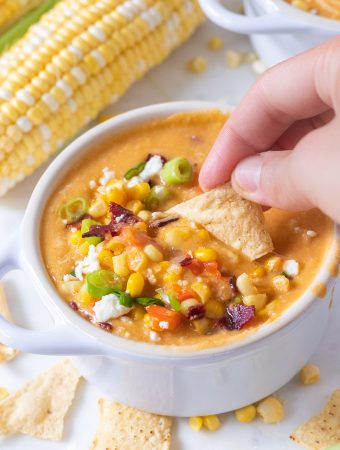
170 277
259 272
120 265
257 300
245 284
175 236
272 308
271 410
310 374
212 423
137 313
71 287
281 283
148 322
136 259
203 235
115 245
202 290
201 326
84 248
98 208
262 314
135 206
215 43
246 414
141 226
75 238
273 264
135 284
234 59
117 195
139 191
153 253
3 393
162 267
300 4
205 254
105 259
197 64
85 298
144 215
214 309
196 423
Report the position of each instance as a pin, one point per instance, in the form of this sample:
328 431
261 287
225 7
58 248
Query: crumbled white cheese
120 218
73 229
68 277
126 319
291 267
89 264
109 307
154 336
92 184
152 167
164 324
151 276
107 176
311 233
134 181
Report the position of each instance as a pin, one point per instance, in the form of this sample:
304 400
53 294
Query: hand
281 146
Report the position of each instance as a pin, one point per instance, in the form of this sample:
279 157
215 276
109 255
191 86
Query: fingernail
247 173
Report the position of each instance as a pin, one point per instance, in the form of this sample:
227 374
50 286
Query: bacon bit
120 217
77 224
196 312
192 264
186 261
105 326
150 155
159 223
74 306
237 317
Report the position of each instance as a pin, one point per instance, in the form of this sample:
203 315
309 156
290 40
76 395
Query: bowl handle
60 340
267 23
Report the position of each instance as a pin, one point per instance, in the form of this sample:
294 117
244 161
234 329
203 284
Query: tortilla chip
39 407
321 431
6 353
230 218
124 428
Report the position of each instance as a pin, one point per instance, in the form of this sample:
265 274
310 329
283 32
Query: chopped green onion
124 298
177 171
85 227
285 275
146 301
134 171
74 209
102 282
156 197
175 304
14 33
236 300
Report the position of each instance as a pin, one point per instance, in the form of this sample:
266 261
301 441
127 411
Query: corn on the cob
81 56
12 10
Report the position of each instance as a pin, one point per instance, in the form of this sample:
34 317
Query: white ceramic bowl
163 379
278 30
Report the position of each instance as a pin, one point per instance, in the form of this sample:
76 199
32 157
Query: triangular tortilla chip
40 406
230 218
124 428
321 431
6 353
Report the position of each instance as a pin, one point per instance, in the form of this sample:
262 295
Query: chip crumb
258 67
40 406
234 59
323 430
125 428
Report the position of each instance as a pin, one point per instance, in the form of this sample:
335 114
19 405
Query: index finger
284 94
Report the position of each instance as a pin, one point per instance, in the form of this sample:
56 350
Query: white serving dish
278 30
163 379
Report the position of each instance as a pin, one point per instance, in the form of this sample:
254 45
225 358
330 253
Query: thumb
268 178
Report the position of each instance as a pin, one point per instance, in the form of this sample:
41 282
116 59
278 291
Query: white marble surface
168 82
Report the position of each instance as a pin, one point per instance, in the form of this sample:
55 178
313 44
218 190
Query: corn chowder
132 269
325 8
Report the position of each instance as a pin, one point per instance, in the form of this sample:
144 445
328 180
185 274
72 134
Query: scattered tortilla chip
6 353
124 428
321 431
230 218
40 406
